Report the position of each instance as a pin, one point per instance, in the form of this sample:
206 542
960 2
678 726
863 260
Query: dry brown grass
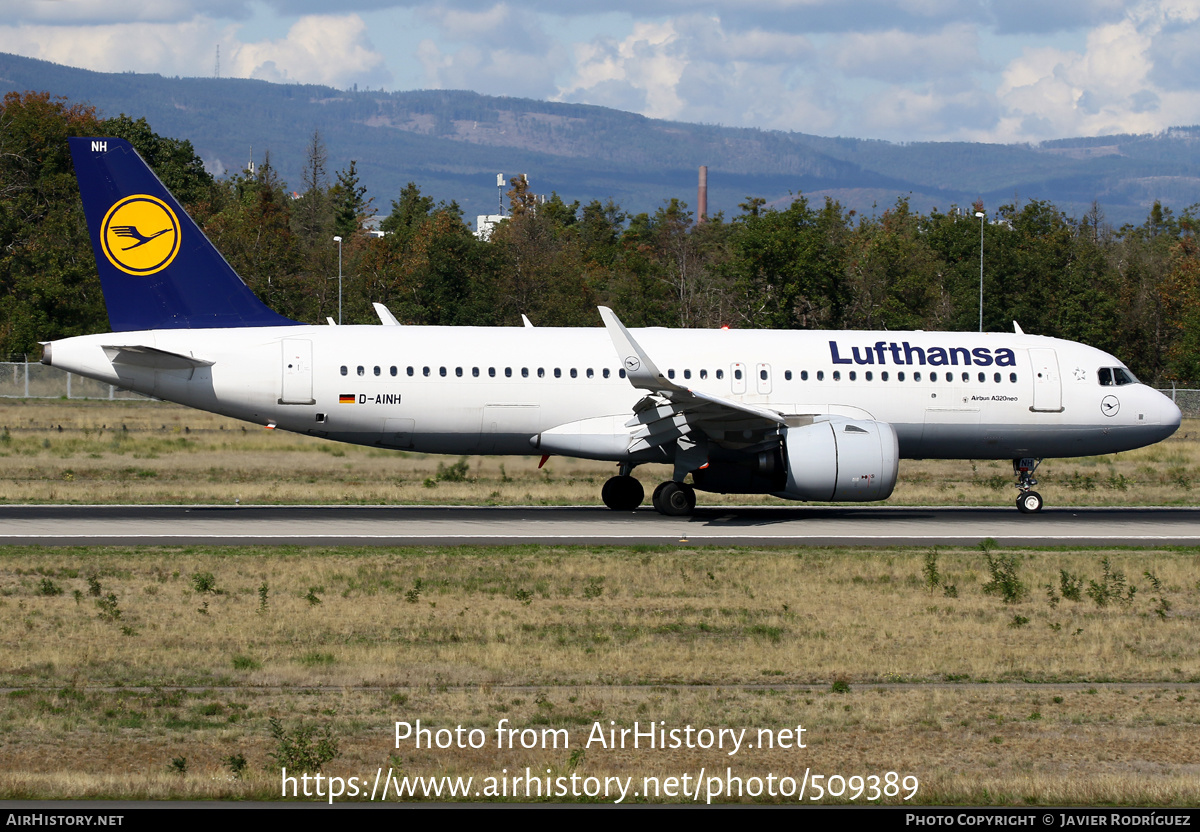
148 452
982 707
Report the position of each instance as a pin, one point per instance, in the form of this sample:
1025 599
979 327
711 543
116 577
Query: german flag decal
346 398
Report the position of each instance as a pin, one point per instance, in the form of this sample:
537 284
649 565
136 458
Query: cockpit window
1119 376
1123 376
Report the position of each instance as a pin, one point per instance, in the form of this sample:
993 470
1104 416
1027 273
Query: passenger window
442 372
361 371
820 375
720 374
883 376
392 370
982 377
804 375
787 375
670 374
573 373
996 378
524 372
703 374
475 372
376 369
491 372
605 372
932 377
557 373
900 376
966 376
687 373
621 372
345 369
541 372
917 376
837 375
1012 377
853 376
410 371
508 372
425 371
869 375
590 374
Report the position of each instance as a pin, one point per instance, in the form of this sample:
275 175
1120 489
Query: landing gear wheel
675 499
656 497
622 493
1029 503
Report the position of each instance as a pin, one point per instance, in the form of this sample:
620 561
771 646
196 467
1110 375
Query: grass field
151 452
122 666
993 677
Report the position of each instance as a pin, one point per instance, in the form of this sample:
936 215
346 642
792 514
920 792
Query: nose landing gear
1028 501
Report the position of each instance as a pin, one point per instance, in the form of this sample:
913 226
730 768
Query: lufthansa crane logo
140 235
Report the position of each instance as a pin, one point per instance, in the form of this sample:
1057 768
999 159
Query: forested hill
452 144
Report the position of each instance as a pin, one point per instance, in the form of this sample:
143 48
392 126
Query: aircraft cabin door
737 378
297 372
1047 386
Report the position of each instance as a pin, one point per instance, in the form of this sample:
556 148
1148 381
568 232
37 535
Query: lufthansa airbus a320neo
816 416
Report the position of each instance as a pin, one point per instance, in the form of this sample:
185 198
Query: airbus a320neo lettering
816 416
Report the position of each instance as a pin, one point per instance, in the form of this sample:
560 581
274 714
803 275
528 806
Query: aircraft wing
673 411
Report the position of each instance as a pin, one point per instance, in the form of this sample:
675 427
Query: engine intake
841 461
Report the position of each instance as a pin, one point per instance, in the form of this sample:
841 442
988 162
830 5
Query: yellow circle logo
140 235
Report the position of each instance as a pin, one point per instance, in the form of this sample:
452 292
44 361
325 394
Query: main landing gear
674 499
624 493
1029 501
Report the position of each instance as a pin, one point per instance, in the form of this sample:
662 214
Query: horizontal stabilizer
137 356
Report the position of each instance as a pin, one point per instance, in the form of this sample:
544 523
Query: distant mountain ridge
453 143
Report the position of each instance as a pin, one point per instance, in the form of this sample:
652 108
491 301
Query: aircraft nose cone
1169 414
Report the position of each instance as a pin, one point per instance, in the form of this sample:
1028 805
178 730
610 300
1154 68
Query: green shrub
305 748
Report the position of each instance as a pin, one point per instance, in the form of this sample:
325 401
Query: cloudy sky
903 70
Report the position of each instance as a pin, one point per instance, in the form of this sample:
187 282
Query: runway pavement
457 525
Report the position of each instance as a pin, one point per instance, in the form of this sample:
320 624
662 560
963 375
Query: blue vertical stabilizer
157 268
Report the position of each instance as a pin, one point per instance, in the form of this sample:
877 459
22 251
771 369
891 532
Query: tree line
1132 291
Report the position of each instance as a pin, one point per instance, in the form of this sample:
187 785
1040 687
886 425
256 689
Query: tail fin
157 268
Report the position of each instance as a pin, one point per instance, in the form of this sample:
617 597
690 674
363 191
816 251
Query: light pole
980 215
338 240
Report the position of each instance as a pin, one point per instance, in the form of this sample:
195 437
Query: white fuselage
467 390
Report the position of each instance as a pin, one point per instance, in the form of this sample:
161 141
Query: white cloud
318 49
77 12
649 61
898 56
171 49
1113 85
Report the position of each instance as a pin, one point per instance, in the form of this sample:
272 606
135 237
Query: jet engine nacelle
841 461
